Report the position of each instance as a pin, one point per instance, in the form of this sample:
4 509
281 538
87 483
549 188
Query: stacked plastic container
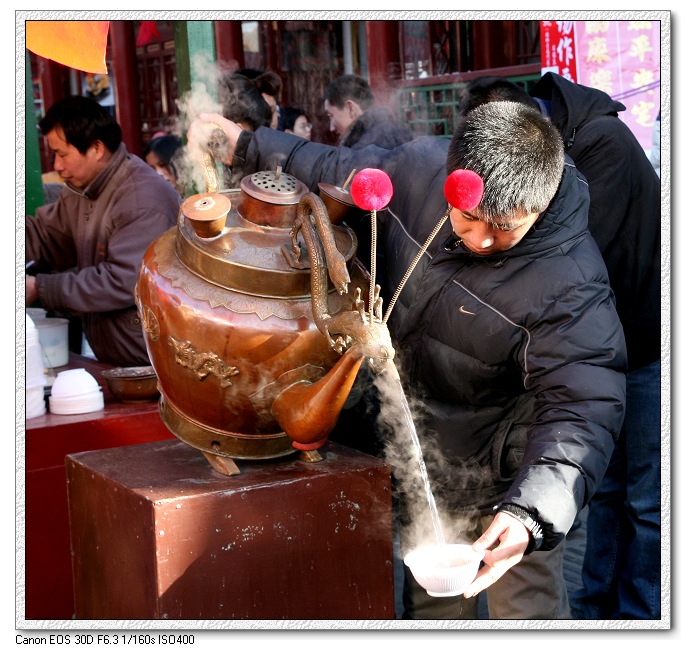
35 372
75 391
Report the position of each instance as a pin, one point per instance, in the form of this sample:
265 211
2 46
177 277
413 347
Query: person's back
624 216
625 219
88 245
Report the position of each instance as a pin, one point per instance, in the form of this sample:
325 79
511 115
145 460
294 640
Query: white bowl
444 569
58 406
82 398
74 383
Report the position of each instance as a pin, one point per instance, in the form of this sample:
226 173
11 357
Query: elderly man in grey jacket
88 245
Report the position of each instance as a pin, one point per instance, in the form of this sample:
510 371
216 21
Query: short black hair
242 101
164 146
348 87
83 122
517 152
492 89
267 81
168 149
289 116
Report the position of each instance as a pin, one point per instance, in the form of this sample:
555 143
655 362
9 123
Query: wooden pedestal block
156 533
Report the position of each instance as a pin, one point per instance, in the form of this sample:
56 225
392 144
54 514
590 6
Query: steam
199 99
401 422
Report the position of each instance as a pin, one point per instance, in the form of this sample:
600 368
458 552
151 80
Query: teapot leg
311 456
222 464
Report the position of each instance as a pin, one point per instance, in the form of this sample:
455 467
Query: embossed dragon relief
203 364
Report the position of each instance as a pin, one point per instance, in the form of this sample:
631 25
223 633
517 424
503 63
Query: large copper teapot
257 329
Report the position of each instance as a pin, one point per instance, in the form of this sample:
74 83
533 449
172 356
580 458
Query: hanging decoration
147 33
78 44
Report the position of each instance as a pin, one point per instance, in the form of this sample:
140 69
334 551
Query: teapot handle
216 144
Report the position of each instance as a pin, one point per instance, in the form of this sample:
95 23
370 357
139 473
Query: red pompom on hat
464 189
371 189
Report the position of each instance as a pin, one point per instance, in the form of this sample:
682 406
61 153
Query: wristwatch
535 529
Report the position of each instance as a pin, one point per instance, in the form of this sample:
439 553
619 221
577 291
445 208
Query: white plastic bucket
53 334
36 313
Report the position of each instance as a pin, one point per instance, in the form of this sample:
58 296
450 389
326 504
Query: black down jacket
518 358
625 213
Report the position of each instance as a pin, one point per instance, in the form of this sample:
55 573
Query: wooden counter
49 592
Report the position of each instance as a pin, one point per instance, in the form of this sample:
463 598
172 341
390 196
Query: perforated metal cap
274 187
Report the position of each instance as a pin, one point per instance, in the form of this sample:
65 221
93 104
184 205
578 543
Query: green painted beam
196 55
33 184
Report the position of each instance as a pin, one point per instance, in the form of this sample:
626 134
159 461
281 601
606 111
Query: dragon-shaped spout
308 411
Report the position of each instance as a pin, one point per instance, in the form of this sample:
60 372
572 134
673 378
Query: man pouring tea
506 330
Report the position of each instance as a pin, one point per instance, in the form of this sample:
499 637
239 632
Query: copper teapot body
229 322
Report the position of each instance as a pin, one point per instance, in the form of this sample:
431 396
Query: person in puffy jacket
621 572
88 245
506 331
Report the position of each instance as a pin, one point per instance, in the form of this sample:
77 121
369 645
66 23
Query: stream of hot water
408 423
372 190
373 179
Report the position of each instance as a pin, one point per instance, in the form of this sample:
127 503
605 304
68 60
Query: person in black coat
621 573
506 331
622 569
349 105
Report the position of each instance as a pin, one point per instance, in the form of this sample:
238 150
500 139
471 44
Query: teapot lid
274 187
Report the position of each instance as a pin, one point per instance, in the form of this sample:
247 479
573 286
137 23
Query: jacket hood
565 219
573 104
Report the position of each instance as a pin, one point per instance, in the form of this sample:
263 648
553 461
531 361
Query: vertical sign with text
620 57
558 49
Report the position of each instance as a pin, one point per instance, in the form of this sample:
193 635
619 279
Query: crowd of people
529 328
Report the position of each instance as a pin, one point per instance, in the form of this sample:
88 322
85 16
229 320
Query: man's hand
512 537
31 290
200 133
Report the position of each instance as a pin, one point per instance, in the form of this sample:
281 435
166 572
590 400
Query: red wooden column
54 85
228 37
123 49
54 78
497 43
382 48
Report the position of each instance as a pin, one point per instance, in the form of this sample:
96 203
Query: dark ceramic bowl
132 385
